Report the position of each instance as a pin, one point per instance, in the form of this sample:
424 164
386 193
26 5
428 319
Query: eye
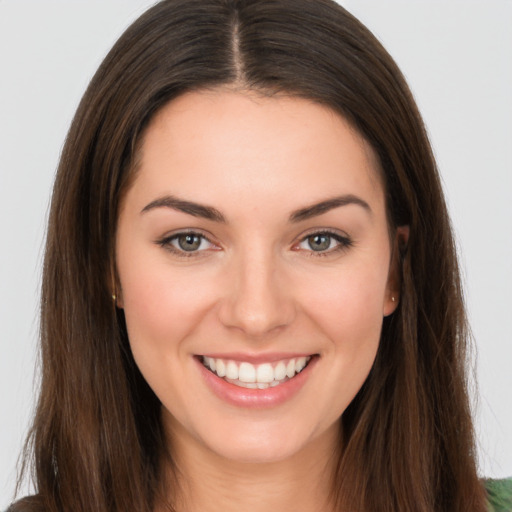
324 242
186 243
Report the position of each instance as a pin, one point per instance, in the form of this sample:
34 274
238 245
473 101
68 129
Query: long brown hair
96 442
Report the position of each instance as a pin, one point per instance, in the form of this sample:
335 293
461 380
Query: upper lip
257 358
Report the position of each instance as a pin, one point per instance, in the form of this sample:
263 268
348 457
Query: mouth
256 376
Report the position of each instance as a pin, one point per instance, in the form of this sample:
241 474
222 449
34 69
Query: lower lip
256 398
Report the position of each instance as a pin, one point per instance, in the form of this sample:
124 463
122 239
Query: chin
256 450
267 440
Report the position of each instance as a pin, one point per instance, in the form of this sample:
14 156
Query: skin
256 287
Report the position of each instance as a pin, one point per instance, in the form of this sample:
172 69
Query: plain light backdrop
457 56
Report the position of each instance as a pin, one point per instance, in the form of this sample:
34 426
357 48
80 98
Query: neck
208 482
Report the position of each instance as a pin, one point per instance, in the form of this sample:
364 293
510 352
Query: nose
257 300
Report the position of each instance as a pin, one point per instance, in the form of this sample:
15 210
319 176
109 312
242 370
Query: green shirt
499 493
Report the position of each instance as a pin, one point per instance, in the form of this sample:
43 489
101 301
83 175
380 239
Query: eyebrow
195 209
211 213
329 204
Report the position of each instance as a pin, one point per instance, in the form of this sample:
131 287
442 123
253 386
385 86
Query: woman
251 296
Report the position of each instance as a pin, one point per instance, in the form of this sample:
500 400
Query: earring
114 287
393 299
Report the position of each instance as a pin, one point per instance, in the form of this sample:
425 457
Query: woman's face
254 242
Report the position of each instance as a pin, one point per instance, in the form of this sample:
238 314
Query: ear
393 287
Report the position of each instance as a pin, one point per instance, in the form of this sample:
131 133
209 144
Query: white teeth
250 385
221 368
232 370
260 376
290 368
300 363
265 373
280 371
247 373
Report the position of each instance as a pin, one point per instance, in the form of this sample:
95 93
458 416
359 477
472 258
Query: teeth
247 373
280 371
290 368
265 373
259 376
232 370
300 364
249 385
220 367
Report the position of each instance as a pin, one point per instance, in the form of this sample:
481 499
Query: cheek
352 297
348 309
163 306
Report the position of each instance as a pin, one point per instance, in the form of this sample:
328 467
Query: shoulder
499 494
28 504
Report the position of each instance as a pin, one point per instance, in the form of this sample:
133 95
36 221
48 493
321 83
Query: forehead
281 149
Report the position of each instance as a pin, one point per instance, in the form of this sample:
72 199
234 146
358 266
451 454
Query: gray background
457 56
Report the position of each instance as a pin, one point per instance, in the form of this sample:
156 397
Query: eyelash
343 243
166 243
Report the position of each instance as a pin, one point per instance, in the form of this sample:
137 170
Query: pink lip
255 398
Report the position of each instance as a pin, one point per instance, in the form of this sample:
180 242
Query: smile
256 376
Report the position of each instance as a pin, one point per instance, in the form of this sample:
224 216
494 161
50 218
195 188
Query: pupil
319 242
189 242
